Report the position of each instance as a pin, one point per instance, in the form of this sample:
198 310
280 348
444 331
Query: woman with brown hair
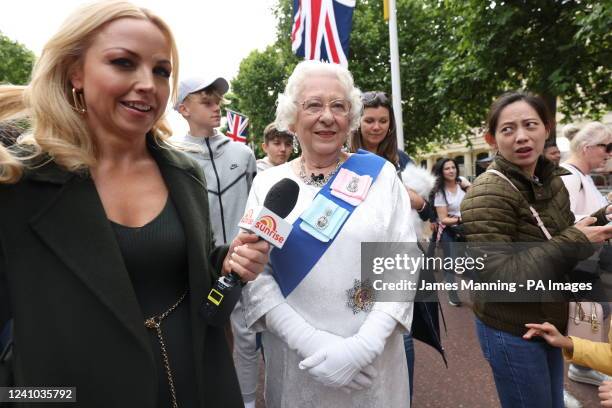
377 134
501 208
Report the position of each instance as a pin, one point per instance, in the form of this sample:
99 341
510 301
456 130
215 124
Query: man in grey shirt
229 166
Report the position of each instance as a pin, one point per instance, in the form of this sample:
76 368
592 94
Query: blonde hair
569 131
591 134
58 130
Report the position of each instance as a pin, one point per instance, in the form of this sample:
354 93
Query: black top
155 257
64 281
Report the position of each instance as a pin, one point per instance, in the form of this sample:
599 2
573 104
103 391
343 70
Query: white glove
362 380
299 335
339 363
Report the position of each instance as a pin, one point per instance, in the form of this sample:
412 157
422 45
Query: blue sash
302 251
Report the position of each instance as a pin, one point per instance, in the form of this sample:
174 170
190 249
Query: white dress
321 298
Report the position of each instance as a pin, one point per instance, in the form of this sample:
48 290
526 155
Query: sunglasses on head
608 146
374 97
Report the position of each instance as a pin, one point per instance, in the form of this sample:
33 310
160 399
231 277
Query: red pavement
468 381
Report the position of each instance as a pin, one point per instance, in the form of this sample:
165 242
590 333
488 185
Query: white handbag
586 320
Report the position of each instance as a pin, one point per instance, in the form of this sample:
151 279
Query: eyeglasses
315 106
608 146
374 98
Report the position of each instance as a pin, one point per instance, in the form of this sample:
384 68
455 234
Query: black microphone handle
218 306
234 277
225 293
220 302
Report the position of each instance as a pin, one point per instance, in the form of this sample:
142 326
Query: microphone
267 222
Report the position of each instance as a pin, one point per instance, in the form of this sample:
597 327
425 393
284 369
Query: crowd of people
112 233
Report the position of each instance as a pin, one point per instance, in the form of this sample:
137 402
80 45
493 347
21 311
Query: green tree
262 75
558 49
16 62
457 56
424 44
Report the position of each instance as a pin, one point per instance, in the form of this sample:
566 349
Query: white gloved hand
338 364
289 326
362 380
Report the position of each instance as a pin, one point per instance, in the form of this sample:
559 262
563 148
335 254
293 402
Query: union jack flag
321 29
237 126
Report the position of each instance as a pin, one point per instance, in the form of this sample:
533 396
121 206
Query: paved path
468 381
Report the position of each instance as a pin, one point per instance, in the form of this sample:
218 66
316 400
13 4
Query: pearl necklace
317 181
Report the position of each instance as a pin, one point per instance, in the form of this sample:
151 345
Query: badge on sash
351 187
321 223
323 218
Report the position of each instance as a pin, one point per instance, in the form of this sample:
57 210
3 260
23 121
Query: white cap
192 85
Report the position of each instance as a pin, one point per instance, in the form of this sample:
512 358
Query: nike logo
233 166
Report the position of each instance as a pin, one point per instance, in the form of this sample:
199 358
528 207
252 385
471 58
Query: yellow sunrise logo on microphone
267 225
268 222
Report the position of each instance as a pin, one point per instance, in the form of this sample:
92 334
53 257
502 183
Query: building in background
470 154
473 155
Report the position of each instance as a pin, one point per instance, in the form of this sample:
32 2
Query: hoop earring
79 101
296 145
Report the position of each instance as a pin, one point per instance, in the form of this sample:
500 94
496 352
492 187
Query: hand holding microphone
248 254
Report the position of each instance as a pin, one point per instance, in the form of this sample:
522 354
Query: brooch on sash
323 218
361 296
351 187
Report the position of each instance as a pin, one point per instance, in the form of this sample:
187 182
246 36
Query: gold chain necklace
317 181
154 323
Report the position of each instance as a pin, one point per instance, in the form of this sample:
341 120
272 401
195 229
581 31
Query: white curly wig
286 110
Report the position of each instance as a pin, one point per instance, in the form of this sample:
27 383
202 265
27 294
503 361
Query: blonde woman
105 243
590 149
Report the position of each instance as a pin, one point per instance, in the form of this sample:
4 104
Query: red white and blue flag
237 126
321 29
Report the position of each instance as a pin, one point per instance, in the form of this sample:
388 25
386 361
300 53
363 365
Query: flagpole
395 74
